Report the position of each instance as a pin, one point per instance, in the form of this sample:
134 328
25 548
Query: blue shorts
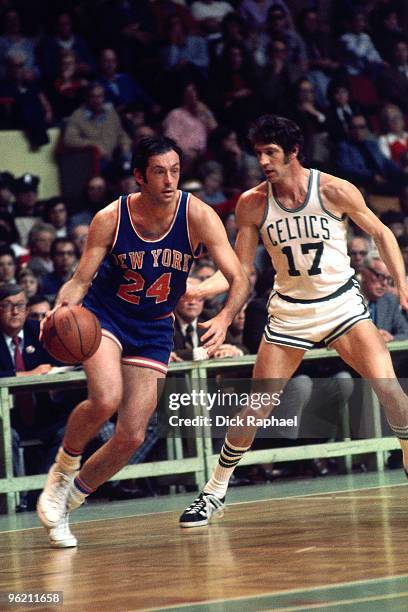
144 343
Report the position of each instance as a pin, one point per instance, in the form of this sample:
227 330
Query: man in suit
358 159
383 305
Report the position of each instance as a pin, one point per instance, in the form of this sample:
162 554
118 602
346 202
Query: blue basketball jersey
144 278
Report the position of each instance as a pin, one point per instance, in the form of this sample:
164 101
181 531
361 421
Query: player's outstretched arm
348 200
100 239
207 228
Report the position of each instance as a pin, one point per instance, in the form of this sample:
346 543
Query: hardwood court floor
284 553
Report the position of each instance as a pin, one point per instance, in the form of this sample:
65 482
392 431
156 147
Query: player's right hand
47 316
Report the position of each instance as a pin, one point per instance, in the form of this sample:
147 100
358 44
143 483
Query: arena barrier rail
200 465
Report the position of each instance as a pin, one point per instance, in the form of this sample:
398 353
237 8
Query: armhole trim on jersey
266 210
117 223
197 253
332 215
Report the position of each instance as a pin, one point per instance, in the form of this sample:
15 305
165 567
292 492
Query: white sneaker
74 499
52 503
61 536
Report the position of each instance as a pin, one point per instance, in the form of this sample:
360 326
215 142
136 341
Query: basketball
72 334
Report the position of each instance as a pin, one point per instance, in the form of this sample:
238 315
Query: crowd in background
108 73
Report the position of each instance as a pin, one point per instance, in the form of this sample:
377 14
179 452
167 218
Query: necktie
18 357
24 402
190 336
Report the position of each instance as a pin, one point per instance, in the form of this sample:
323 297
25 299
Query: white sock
67 464
229 457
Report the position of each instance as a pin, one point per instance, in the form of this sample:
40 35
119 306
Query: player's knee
106 405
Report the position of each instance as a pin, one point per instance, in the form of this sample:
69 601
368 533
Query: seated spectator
6 192
37 307
96 197
393 142
209 15
26 204
359 160
255 14
64 258
8 265
212 178
313 122
78 235
66 90
279 26
184 54
387 29
22 354
56 214
122 180
97 124
384 307
358 52
64 38
395 221
358 249
341 109
393 78
13 41
190 124
321 53
29 282
28 108
120 87
40 240
224 147
277 77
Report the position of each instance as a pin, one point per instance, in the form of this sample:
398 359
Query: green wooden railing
202 463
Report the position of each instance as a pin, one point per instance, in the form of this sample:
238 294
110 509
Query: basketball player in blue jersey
301 216
132 273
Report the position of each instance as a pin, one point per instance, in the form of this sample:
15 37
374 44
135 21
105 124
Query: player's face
162 174
273 161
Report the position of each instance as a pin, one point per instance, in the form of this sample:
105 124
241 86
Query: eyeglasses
383 278
9 306
362 253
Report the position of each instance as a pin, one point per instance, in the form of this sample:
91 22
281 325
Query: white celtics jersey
307 245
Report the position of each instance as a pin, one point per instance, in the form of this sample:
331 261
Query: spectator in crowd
386 29
183 53
6 192
234 31
255 13
395 221
122 180
78 235
8 265
64 258
64 38
383 305
40 240
120 87
211 176
209 15
29 281
96 124
224 147
340 110
22 354
393 78
56 214
321 52
26 204
277 77
393 142
358 248
28 108
190 124
313 122
163 10
66 90
358 52
13 41
359 160
279 26
96 197
37 307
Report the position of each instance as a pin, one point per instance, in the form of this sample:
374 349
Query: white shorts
313 324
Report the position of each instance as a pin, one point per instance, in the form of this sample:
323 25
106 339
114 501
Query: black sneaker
201 510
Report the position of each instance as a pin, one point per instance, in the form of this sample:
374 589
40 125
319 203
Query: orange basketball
72 334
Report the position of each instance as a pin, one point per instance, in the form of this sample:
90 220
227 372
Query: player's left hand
403 296
215 334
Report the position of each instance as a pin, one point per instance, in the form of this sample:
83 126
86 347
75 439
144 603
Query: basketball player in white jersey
301 216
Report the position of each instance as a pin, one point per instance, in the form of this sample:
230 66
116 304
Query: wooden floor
340 550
